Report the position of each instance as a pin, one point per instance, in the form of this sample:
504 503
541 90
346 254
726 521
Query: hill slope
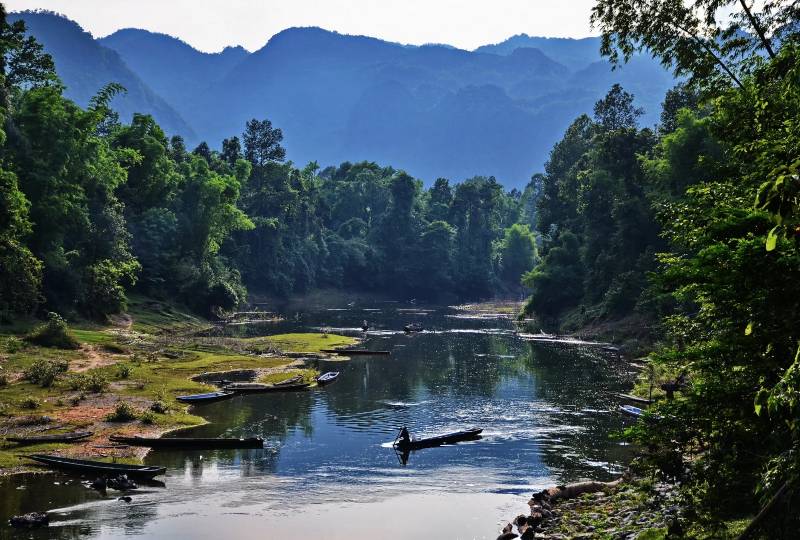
85 66
432 110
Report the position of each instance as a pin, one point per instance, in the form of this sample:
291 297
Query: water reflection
544 409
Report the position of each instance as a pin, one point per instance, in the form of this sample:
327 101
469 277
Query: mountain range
435 111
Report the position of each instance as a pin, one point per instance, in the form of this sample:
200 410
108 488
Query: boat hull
62 438
211 397
264 388
100 468
440 440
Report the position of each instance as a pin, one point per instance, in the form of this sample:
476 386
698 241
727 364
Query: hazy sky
211 25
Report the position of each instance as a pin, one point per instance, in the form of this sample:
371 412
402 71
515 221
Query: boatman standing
405 437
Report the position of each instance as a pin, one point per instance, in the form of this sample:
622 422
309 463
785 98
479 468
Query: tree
231 150
517 253
616 110
691 37
262 143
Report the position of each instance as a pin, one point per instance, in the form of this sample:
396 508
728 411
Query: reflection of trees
578 379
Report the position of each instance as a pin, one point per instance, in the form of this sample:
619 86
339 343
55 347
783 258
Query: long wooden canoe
356 352
55 438
253 388
439 440
189 442
209 397
635 399
85 466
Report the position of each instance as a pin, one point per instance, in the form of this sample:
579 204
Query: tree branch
711 53
760 31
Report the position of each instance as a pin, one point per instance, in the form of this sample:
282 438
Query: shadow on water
544 409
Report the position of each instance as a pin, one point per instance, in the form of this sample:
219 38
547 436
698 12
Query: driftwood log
571 491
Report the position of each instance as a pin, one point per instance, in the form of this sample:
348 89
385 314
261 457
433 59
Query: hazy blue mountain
85 66
175 70
432 110
570 52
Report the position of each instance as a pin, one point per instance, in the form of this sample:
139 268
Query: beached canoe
327 378
56 438
439 440
254 388
189 442
210 397
99 468
635 399
356 352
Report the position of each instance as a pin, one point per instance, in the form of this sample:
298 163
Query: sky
211 25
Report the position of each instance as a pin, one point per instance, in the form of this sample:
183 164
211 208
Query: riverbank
123 378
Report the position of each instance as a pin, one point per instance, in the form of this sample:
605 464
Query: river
328 470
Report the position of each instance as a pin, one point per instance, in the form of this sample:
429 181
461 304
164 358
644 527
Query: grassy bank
123 377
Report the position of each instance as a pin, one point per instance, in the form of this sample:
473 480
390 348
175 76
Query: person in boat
364 325
405 437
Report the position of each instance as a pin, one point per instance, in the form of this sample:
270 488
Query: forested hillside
693 230
138 211
432 110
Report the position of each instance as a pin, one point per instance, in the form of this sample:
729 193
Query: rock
125 498
122 483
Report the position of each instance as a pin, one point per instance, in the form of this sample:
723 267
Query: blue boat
327 378
205 398
630 410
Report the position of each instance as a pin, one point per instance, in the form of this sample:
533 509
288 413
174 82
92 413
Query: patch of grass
3 378
309 376
310 343
54 333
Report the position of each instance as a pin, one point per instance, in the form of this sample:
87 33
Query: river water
328 470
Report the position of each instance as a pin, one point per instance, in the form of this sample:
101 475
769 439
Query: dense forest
693 229
94 208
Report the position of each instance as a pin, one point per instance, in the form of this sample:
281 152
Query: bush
159 407
14 345
3 378
45 372
148 417
123 371
123 412
30 403
54 333
4 409
94 382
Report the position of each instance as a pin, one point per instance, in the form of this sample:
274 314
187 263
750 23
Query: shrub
3 378
45 372
123 371
14 345
30 403
4 409
94 382
148 417
159 407
123 412
54 333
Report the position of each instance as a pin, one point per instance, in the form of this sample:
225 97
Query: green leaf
772 238
749 329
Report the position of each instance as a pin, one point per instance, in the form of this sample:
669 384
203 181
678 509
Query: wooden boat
327 378
209 397
189 442
100 468
355 352
413 327
635 399
439 440
55 438
630 410
253 388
